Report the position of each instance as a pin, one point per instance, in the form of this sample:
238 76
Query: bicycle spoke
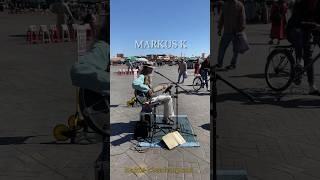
285 64
273 64
281 60
278 72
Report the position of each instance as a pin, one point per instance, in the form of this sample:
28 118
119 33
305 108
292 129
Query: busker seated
143 88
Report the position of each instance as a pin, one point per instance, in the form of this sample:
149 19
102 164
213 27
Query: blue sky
133 20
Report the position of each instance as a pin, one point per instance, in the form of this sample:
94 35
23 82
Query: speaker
143 127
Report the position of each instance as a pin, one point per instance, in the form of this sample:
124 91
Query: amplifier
143 127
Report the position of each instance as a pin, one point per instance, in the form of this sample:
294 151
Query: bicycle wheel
279 70
197 82
95 108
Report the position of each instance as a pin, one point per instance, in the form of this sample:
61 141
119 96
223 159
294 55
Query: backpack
143 127
141 130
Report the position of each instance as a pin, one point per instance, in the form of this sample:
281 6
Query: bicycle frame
312 43
310 64
202 81
291 49
296 71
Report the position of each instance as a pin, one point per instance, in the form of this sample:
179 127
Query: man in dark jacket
300 35
232 21
204 71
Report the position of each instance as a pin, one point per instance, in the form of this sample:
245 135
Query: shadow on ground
259 44
14 140
222 70
199 93
117 129
254 76
266 97
18 35
18 140
206 126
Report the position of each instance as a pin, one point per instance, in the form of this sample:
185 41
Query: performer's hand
150 92
168 88
147 104
164 87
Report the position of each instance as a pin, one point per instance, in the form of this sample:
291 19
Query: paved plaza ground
270 140
123 155
36 94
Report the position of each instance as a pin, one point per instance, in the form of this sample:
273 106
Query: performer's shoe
231 66
167 121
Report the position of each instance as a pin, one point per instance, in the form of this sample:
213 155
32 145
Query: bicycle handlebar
312 25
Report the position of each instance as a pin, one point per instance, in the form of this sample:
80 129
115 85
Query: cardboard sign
173 139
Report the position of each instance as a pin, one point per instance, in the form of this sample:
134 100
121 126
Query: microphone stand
218 77
177 127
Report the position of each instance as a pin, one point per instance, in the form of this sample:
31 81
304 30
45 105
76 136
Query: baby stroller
91 78
95 108
91 117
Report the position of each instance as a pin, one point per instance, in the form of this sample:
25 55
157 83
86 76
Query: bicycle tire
195 84
290 58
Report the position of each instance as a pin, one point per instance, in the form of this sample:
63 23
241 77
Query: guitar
144 98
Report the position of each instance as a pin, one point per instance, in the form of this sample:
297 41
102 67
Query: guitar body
142 97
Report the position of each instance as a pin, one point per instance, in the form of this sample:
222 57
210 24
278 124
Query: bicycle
282 69
198 82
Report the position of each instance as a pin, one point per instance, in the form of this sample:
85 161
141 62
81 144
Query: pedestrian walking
250 10
197 67
300 35
61 9
232 21
182 70
219 6
130 65
278 19
91 19
264 12
204 70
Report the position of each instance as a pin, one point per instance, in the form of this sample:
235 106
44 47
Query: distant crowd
79 10
256 11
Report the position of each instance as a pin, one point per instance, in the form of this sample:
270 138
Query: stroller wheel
61 132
